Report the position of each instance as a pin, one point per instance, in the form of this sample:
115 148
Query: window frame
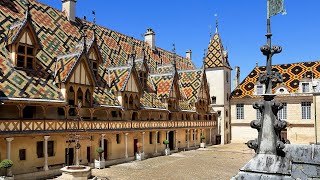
240 111
306 110
283 113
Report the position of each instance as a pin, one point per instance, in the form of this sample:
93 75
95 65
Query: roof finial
83 32
28 4
174 57
257 64
94 24
216 15
133 53
143 51
204 57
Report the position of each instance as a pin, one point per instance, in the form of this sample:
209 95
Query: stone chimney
237 77
189 54
150 38
69 7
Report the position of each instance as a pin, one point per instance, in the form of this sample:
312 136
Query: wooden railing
34 126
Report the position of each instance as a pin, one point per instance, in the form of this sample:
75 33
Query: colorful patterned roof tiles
164 84
105 98
150 100
215 55
186 106
60 49
16 84
190 83
118 77
292 75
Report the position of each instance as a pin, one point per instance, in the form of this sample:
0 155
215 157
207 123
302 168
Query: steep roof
190 83
292 75
17 85
215 55
59 52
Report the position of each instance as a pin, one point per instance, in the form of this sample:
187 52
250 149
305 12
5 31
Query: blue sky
242 26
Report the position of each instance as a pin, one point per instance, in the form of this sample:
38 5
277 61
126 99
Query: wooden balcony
40 126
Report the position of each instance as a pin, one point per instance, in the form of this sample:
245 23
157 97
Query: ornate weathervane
270 126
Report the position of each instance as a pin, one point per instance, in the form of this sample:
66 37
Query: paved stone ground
216 162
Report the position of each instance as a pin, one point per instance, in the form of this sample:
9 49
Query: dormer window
259 89
305 87
25 52
143 78
93 59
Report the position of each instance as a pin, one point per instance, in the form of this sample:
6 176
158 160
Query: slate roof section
292 74
215 55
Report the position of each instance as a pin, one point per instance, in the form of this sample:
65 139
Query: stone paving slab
216 162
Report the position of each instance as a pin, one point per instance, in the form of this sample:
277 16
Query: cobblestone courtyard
215 162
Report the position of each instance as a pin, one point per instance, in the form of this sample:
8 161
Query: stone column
143 142
156 142
167 138
210 136
126 144
9 147
188 143
77 152
45 167
176 143
195 137
102 146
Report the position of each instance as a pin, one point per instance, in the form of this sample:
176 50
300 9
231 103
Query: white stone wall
299 131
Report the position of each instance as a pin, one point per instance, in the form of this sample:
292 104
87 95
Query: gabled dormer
203 99
142 68
23 43
94 57
124 82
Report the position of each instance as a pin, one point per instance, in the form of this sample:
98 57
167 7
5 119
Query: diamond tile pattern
215 56
292 74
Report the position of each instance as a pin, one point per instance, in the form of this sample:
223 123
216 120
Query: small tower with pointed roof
218 72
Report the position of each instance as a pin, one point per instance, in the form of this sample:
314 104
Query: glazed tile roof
61 47
186 106
164 84
292 74
190 83
165 69
118 77
151 100
215 55
16 84
104 97
58 37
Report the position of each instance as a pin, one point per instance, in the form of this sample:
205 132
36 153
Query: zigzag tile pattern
291 73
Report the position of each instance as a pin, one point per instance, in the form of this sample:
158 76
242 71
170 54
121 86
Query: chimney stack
237 78
150 38
69 7
188 54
